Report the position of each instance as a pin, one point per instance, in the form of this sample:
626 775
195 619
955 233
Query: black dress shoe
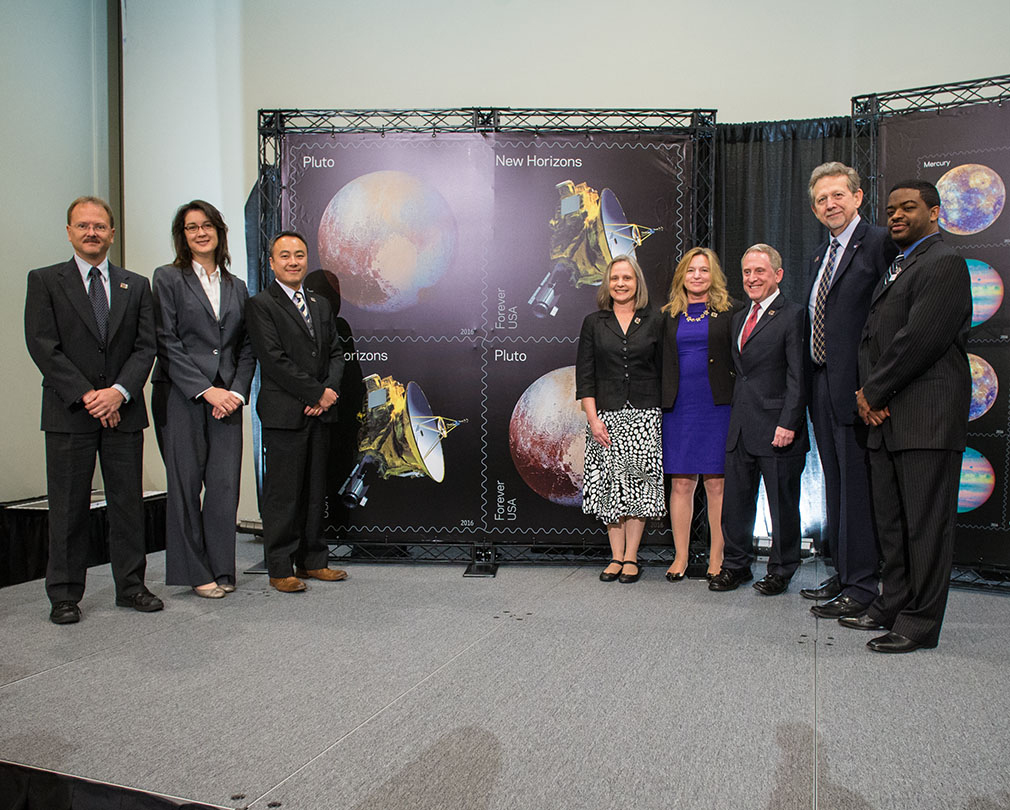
838 607
828 589
144 601
605 577
863 622
65 613
771 585
626 578
895 643
729 579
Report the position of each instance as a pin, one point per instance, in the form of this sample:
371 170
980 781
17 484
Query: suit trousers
739 508
294 487
915 507
851 535
70 467
203 456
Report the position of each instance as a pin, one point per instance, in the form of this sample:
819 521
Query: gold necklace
701 317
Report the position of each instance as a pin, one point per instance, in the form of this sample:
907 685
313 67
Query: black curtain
761 176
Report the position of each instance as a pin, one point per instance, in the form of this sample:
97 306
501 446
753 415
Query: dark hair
281 235
94 201
927 191
183 253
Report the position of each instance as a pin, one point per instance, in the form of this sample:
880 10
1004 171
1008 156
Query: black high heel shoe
626 578
605 577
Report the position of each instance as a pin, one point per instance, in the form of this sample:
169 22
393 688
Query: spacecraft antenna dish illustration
399 437
587 231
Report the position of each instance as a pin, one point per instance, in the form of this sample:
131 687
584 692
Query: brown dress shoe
287 584
325 574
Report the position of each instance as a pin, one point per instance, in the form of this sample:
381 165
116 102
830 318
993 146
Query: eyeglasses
84 227
206 226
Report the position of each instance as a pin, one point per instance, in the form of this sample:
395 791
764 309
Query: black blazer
721 373
295 366
769 390
614 367
62 338
195 348
912 357
860 267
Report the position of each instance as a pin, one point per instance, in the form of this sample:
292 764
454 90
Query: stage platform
410 687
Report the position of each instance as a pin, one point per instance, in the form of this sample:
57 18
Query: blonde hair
603 299
718 295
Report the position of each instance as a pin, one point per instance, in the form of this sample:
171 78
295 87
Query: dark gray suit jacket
860 267
769 389
912 357
295 366
194 347
62 338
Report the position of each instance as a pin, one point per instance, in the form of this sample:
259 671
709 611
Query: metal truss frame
868 111
483 554
274 125
867 114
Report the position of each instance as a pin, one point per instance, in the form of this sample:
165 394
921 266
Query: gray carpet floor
414 688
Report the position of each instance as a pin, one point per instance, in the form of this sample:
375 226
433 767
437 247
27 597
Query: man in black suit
767 428
916 390
89 326
294 337
840 280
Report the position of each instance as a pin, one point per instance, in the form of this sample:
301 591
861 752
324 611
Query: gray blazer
195 349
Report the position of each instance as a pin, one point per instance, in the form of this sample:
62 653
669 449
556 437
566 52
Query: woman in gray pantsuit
201 381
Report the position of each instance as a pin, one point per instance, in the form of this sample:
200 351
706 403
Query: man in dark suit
89 326
294 336
840 280
767 428
916 390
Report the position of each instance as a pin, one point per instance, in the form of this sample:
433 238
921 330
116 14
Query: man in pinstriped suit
916 389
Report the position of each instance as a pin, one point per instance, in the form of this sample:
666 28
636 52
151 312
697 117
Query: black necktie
99 301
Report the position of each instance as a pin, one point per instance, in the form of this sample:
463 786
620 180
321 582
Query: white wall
54 135
196 72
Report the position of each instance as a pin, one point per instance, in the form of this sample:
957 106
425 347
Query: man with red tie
767 429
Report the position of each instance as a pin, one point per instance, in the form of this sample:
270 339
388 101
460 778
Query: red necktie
749 326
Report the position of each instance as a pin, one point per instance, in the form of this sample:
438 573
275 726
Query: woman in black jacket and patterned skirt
617 377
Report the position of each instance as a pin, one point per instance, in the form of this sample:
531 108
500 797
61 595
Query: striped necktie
817 348
304 310
895 268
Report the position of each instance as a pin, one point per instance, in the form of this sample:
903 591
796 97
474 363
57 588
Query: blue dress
694 430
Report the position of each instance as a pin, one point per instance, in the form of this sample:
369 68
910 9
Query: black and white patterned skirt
625 479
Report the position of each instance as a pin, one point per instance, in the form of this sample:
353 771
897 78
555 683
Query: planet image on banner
972 196
547 438
978 479
984 386
387 236
986 291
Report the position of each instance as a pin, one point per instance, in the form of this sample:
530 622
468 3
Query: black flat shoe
626 578
672 577
605 577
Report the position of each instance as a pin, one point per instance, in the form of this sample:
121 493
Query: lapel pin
638 320
771 313
313 300
123 285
